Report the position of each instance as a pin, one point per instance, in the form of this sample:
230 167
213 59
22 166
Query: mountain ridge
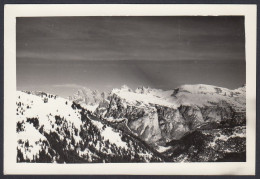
156 121
197 102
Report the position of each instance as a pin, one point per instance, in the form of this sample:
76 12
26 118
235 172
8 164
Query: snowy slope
207 95
145 96
53 129
200 95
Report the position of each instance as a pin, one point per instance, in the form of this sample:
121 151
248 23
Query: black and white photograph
131 89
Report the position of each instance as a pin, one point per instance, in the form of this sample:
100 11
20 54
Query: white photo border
206 168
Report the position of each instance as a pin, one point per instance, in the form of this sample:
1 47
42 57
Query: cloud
67 86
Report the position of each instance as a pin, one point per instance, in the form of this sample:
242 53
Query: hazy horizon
61 54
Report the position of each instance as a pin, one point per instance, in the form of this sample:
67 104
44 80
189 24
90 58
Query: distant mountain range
192 123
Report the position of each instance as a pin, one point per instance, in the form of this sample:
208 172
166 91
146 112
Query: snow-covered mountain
189 123
53 129
158 116
88 98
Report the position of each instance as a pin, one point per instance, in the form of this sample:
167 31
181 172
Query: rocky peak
124 88
88 97
143 89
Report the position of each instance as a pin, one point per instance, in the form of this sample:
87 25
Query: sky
62 54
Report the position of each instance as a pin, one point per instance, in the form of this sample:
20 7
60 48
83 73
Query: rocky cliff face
158 116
